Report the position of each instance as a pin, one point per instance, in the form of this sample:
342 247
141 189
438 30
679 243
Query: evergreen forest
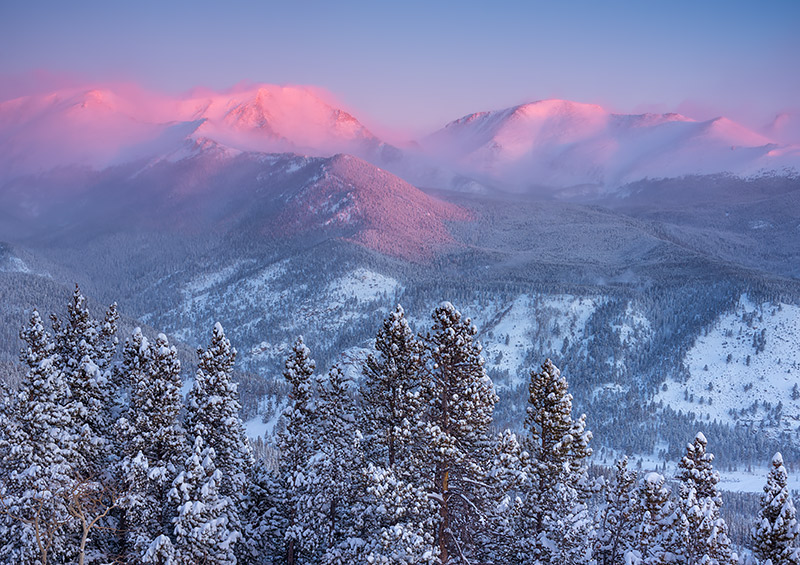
105 459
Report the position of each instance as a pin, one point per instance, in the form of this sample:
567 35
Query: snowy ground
257 427
361 285
730 382
752 480
508 332
14 265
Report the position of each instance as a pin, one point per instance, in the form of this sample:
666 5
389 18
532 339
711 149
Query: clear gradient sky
415 65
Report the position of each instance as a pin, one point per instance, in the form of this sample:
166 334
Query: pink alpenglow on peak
373 208
101 127
539 145
557 143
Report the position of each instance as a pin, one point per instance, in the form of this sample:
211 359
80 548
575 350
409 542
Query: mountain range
549 145
624 247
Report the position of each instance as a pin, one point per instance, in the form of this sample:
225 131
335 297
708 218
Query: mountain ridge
547 144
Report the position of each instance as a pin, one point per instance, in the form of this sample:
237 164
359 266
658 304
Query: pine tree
394 396
505 479
331 494
84 350
397 515
396 523
201 525
555 522
160 552
615 524
459 415
776 532
154 444
213 414
656 538
39 452
705 532
295 445
265 523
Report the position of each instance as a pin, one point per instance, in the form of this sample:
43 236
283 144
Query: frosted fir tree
77 336
213 414
703 529
295 442
84 349
265 522
506 476
459 415
201 525
160 552
331 493
656 538
776 531
153 441
394 525
617 516
394 396
555 524
39 453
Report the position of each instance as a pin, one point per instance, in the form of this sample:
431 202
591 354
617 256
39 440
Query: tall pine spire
153 441
394 395
213 414
40 453
459 417
776 531
704 530
295 445
555 518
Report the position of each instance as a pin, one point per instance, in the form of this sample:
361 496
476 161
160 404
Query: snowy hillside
509 331
745 369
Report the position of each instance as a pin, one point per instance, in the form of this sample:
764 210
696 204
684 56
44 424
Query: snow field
507 335
729 382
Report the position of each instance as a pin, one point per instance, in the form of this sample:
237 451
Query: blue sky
416 65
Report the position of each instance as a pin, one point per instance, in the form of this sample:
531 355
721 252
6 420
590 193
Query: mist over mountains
610 243
549 144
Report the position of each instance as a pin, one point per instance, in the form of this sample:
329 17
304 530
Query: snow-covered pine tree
77 336
615 520
555 524
394 396
457 429
265 522
154 443
704 530
201 525
394 525
295 443
656 538
776 531
39 451
84 349
506 477
332 495
160 552
107 338
213 414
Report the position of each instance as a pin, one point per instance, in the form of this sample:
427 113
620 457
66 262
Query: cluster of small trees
102 461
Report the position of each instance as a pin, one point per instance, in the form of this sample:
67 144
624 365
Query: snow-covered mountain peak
561 144
99 127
